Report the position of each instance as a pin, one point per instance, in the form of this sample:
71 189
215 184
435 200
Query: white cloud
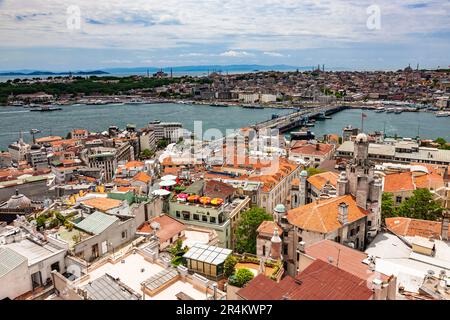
215 28
236 54
273 54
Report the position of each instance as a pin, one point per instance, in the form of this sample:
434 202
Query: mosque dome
18 201
362 137
304 173
280 208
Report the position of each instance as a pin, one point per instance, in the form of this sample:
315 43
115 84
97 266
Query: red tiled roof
319 281
217 189
398 182
414 227
319 180
322 215
169 227
268 227
143 177
350 260
305 148
323 281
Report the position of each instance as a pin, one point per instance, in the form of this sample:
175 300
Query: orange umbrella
193 198
217 201
205 200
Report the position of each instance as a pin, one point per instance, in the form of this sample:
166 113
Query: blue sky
120 33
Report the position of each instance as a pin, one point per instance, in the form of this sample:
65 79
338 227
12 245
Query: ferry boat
46 109
218 105
252 107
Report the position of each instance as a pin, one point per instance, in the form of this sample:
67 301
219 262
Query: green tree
228 266
312 171
440 141
177 252
146 154
162 144
387 206
246 229
421 206
241 277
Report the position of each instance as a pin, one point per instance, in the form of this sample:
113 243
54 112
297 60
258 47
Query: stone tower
302 188
360 181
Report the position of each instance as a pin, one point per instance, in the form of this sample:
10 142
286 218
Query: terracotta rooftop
322 215
319 180
409 181
217 189
103 204
48 139
323 281
414 227
133 164
168 227
319 281
350 260
143 177
268 227
305 148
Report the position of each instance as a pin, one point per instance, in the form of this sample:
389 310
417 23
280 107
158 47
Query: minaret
302 188
275 248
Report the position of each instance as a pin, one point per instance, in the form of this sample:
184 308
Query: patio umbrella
167 183
169 177
161 192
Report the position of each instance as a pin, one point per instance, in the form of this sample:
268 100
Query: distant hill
210 68
50 73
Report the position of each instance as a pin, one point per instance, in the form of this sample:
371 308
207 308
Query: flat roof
9 260
31 250
96 223
108 288
209 254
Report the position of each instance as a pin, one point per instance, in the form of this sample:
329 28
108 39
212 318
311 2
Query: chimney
301 246
275 250
317 146
343 213
444 227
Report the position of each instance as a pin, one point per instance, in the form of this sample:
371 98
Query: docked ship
380 110
252 106
442 114
46 109
218 105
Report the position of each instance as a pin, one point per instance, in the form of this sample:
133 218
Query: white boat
380 109
443 114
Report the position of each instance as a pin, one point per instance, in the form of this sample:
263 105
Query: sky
59 35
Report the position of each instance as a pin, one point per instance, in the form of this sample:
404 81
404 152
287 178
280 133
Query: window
337 239
178 214
398 199
264 251
204 218
212 219
124 234
352 232
285 249
196 217
357 229
369 223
